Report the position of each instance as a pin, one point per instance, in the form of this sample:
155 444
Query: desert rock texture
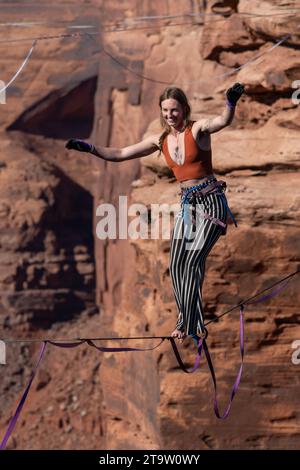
96 73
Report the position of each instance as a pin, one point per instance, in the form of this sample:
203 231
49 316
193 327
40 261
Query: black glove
79 145
234 93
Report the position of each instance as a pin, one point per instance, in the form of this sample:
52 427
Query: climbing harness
211 186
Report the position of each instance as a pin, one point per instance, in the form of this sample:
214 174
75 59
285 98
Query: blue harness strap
228 208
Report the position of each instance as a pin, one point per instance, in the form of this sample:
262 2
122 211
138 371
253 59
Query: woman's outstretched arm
141 149
218 123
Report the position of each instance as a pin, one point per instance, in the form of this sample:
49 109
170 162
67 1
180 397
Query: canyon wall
58 280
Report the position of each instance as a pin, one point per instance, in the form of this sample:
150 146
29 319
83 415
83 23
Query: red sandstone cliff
58 280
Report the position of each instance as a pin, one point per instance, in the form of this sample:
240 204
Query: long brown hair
178 95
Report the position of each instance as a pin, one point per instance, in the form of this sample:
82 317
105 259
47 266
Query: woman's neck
178 129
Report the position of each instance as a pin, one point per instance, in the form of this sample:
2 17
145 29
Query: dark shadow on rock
55 279
62 114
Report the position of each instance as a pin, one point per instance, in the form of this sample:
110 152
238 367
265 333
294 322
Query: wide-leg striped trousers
190 245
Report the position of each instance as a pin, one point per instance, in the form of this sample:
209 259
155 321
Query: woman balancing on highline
187 151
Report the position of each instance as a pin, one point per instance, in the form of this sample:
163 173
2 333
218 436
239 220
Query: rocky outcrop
54 275
47 267
257 156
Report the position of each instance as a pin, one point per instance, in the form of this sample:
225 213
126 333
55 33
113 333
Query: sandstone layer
58 280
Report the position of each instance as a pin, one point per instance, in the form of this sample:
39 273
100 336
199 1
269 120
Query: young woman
202 220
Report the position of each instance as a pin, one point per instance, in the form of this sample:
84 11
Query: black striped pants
190 245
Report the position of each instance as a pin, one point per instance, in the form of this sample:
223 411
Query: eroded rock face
49 258
258 158
47 267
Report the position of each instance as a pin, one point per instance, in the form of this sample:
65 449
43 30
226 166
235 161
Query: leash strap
23 399
40 357
239 375
179 360
203 345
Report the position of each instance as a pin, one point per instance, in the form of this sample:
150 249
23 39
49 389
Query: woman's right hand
80 145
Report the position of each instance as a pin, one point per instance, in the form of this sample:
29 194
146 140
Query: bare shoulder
200 127
154 139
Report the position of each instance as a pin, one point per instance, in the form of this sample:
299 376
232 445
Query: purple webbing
23 399
239 375
179 360
202 344
106 349
41 354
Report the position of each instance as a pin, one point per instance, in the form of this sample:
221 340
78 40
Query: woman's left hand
234 93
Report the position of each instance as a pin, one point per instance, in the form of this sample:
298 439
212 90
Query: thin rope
103 338
144 77
46 38
20 69
118 30
201 342
126 25
244 302
193 15
130 20
66 24
285 38
231 72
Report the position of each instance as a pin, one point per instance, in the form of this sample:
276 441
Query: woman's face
172 112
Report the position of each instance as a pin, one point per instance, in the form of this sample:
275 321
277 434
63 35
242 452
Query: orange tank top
197 162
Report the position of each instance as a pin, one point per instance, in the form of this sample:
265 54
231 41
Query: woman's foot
178 334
